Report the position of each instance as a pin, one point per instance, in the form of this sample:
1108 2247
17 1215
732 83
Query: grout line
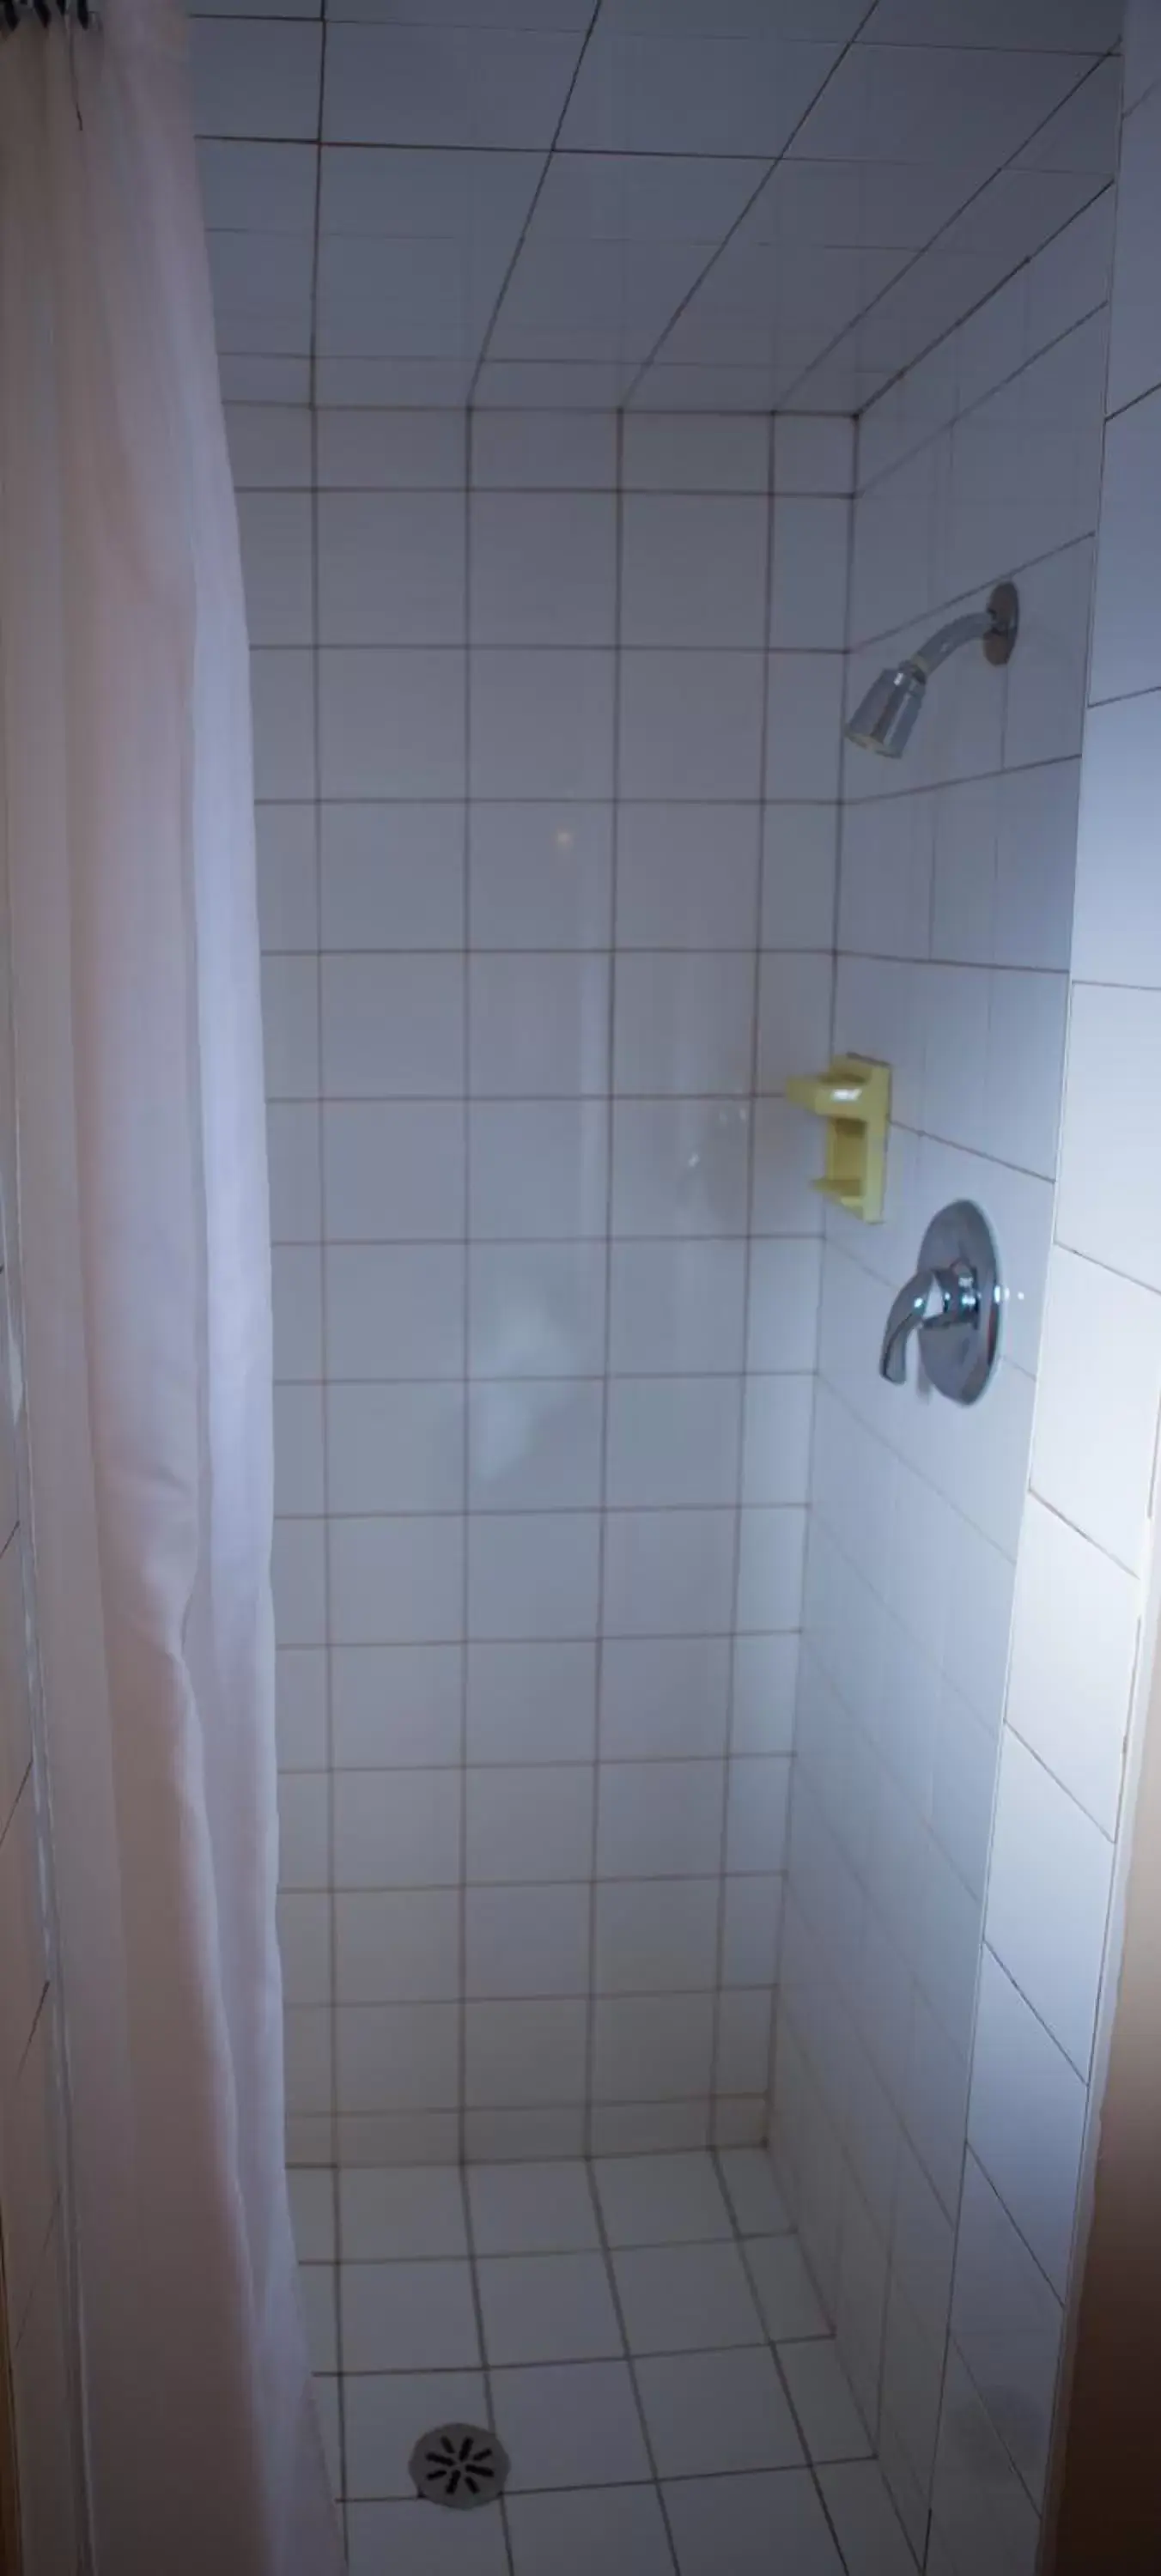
552 1099
651 357
643 2485
700 804
578 490
630 2358
535 647
745 1374
328 1693
607 1320
466 1455
559 1762
477 368
725 36
889 636
531 1994
532 1242
478 2308
569 2254
1093 67
570 1378
590 949
817 1506
523 1100
696 2352
621 1637
323 1312
929 437
811 1528
741 2244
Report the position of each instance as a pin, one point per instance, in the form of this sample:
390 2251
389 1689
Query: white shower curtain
126 771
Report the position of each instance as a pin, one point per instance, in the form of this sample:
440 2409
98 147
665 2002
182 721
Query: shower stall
664 2067
712 1596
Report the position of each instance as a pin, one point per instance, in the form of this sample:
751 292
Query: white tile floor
643 2335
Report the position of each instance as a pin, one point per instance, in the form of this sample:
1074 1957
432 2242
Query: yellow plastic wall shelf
854 1099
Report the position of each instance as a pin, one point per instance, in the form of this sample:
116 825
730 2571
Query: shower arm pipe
994 626
970 629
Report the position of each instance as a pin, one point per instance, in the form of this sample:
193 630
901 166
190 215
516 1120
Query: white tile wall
543 1410
1078 1677
954 918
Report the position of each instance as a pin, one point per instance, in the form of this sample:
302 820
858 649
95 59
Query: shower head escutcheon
885 718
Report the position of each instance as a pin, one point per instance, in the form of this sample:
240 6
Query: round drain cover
460 2465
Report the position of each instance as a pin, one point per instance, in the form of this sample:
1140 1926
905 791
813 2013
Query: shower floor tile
608 2529
686 2416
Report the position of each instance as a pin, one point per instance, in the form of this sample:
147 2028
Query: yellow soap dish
854 1098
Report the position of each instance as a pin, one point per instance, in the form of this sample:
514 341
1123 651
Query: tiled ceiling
679 204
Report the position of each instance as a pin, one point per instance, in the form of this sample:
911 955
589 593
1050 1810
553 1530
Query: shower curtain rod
15 13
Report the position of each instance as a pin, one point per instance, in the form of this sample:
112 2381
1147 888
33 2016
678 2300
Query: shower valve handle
956 1296
952 1305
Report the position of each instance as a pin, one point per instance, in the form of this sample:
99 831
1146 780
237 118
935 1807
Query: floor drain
460 2465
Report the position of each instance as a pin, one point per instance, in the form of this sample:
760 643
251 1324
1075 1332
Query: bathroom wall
1084 1635
32 2255
547 847
954 915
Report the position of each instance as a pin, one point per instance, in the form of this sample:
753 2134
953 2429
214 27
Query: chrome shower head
885 717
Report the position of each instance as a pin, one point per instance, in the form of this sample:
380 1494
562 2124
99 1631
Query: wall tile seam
817 1923
547 491
523 1099
841 2126
463 2083
900 1458
1126 697
855 1870
837 805
954 1144
930 437
1049 1503
587 1378
702 2100
989 1952
849 1995
973 777
316 782
572 1637
922 958
463 796
600 950
421 649
921 356
356 1888
414 2005
529 1510
955 2349
849 2189
509 1242
608 1762
1011 1733
954 602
